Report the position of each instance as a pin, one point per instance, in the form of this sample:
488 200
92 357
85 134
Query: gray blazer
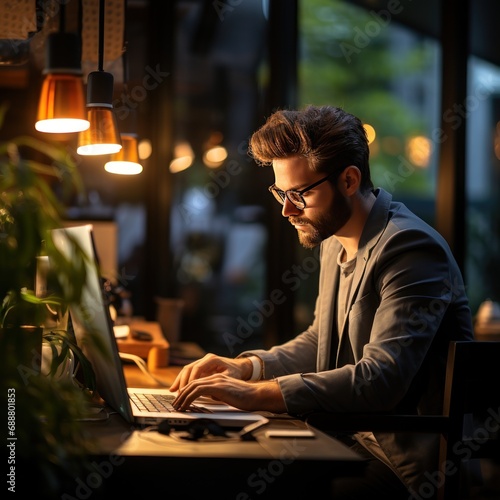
407 301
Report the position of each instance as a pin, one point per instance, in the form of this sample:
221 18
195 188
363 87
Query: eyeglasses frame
274 189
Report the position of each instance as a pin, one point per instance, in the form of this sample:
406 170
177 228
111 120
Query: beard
325 225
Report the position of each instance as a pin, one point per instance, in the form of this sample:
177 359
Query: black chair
470 423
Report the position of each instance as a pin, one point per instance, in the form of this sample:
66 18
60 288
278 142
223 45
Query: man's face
326 211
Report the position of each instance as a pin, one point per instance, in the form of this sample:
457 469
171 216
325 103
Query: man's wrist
257 368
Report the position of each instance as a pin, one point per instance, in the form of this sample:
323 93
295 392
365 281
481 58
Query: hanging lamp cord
101 35
62 18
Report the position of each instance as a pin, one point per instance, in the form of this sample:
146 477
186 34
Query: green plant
48 442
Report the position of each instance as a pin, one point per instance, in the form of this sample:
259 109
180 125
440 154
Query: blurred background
198 223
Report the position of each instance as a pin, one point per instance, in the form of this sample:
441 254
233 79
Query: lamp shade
126 161
103 136
61 107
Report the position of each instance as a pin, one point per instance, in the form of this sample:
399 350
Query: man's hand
251 396
210 364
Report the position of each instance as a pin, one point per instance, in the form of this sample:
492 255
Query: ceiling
25 25
426 16
16 52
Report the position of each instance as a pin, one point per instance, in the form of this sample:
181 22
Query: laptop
92 318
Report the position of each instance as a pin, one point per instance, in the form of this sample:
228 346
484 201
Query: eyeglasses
295 197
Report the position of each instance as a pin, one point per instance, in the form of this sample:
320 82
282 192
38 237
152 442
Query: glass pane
388 76
218 232
483 182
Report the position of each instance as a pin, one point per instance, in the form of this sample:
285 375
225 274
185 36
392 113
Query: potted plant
46 441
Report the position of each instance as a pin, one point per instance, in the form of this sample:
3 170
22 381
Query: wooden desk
155 351
136 378
145 463
140 461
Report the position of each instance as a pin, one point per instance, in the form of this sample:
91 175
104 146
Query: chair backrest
469 425
472 405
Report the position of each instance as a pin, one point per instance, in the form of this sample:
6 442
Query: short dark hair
329 138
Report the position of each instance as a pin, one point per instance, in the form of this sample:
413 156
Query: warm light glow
123 167
98 149
61 107
496 142
183 157
102 136
145 149
183 149
419 149
62 125
126 161
180 164
370 133
214 157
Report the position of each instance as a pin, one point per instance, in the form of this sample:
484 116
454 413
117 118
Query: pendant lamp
126 161
102 137
61 108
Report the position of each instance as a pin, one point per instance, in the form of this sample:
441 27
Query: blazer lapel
361 262
374 227
326 307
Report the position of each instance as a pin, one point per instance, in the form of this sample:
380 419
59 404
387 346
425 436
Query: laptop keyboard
160 403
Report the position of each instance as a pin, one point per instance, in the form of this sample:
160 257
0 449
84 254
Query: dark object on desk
290 433
196 430
141 335
164 427
246 434
264 469
203 427
471 395
183 353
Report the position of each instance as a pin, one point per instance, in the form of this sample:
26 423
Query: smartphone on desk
289 433
246 433
289 428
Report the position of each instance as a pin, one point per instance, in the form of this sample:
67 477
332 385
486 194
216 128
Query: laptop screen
92 322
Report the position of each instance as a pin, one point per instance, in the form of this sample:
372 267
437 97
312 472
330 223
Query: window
388 76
